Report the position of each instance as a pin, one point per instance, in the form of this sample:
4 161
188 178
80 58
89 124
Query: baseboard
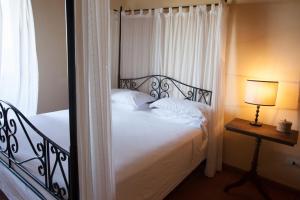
266 180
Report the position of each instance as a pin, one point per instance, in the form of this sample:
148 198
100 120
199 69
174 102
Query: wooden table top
266 132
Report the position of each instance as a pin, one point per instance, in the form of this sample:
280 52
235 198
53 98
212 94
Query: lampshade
261 93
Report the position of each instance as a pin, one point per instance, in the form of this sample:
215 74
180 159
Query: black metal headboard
160 86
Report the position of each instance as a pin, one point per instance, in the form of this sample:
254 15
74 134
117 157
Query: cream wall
263 43
49 18
115 4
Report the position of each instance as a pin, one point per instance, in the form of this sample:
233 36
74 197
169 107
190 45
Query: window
18 59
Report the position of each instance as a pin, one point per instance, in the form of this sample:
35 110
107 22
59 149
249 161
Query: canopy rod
167 8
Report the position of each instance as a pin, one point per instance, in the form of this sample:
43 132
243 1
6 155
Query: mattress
151 155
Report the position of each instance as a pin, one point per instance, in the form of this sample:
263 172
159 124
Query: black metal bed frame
46 152
46 149
49 155
160 86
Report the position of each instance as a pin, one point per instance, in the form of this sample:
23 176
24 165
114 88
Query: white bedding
154 157
151 155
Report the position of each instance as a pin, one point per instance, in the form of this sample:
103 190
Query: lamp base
256 124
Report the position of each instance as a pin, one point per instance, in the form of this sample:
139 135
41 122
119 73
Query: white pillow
183 108
132 98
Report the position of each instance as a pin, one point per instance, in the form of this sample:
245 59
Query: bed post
119 60
73 164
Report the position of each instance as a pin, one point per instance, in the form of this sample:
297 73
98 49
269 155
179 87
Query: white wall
49 16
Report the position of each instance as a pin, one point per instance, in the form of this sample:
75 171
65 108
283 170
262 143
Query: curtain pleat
115 22
137 45
96 171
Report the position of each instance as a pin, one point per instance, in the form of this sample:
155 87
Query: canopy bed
152 154
40 150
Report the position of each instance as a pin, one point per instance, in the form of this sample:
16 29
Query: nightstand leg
259 187
252 174
238 183
255 157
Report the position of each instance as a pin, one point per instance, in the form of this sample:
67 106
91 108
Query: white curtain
186 45
193 52
137 45
215 146
114 23
96 174
18 59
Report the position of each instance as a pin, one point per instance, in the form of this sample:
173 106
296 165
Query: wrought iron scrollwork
48 157
161 86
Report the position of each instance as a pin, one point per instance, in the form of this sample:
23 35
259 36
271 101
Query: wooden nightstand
265 132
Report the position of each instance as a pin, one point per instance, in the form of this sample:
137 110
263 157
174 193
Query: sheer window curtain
18 57
96 174
186 45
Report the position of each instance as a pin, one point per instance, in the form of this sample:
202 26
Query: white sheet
154 157
151 155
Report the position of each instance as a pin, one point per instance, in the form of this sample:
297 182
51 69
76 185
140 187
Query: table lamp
260 93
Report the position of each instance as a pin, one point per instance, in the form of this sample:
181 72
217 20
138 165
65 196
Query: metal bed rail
47 158
160 86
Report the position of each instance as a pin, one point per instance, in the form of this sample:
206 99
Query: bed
150 161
